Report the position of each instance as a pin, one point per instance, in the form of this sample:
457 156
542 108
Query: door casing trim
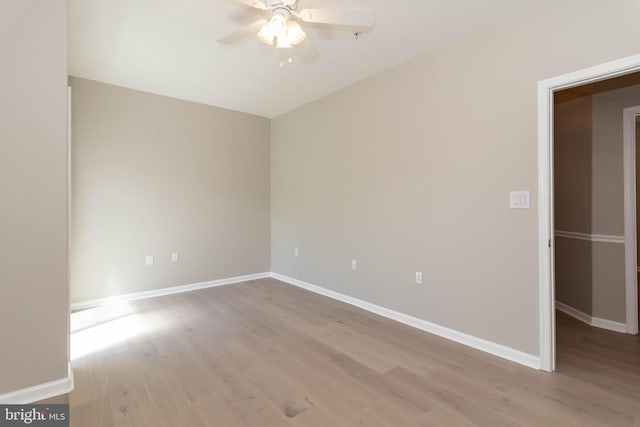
546 284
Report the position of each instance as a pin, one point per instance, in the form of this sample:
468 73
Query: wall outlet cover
519 200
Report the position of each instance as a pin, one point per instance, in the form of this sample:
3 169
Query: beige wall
573 164
153 176
608 200
33 193
589 199
608 282
637 192
574 273
410 170
573 191
608 196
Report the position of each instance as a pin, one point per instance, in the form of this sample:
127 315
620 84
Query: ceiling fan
282 30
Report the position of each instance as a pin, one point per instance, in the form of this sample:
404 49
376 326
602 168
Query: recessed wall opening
589 268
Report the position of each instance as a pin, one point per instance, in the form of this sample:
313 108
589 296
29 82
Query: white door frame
546 278
630 255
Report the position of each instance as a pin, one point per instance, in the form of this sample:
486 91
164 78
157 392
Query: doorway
546 91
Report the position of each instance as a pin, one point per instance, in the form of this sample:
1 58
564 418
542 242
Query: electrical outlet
149 260
296 252
418 278
354 264
175 257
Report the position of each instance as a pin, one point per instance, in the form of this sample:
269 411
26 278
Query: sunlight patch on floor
98 328
102 335
94 316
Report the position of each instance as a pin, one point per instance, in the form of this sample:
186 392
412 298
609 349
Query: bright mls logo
34 415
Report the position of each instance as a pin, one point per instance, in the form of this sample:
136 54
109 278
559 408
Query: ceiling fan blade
242 32
349 17
257 4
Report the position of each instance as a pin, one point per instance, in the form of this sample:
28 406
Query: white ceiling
169 47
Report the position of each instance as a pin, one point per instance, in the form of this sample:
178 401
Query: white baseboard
590 320
39 392
165 291
462 338
609 324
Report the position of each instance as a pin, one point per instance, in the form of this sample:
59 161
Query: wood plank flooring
264 353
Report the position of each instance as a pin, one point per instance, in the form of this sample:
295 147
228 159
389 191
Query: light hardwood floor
267 354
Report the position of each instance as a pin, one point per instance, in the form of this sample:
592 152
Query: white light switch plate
149 260
519 200
175 257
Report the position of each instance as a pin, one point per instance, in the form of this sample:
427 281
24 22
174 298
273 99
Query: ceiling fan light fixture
283 42
282 29
278 24
295 33
292 36
266 35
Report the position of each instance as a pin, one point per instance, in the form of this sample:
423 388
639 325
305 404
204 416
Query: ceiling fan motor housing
274 5
284 11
